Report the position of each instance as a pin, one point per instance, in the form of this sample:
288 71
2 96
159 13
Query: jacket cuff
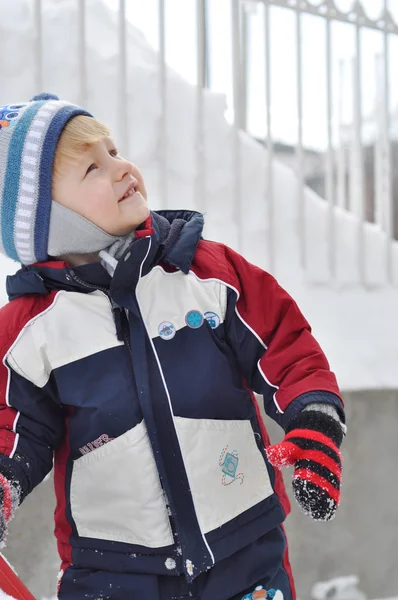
315 397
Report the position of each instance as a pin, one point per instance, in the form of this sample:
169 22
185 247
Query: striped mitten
311 444
9 501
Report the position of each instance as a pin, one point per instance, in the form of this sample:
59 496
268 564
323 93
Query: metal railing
353 166
341 165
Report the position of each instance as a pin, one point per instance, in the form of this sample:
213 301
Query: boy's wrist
319 421
326 409
311 401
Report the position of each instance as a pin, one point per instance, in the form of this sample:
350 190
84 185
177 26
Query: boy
130 350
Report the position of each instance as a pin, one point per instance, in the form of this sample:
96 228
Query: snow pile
357 327
4 596
339 588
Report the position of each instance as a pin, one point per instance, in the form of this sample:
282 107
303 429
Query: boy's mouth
132 189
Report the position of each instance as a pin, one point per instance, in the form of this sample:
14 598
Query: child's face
94 185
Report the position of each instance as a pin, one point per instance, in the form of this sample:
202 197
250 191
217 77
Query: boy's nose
123 168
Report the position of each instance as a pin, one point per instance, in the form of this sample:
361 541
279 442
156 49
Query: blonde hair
79 134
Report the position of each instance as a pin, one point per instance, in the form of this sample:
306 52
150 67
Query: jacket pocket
226 470
116 493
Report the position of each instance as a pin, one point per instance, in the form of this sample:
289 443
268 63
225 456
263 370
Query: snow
170 563
356 325
4 596
189 566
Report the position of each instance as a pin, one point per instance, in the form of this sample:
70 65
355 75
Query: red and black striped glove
9 500
311 444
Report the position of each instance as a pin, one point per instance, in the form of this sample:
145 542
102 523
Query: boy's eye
91 167
113 153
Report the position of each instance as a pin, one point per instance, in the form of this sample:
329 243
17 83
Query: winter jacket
141 389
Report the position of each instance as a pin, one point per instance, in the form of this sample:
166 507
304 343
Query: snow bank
356 326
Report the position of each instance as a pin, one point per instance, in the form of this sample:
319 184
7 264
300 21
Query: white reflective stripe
22 236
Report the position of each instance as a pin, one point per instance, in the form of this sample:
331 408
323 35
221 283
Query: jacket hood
176 232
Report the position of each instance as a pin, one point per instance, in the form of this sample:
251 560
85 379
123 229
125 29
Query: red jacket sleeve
276 351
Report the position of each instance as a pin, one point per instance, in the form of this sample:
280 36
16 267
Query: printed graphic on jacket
229 463
261 594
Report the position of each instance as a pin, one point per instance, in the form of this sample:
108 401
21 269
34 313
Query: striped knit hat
29 134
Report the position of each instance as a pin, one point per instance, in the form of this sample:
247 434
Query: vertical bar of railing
358 155
388 158
123 91
202 58
330 188
82 53
342 152
39 45
244 41
269 141
379 204
163 171
300 150
238 116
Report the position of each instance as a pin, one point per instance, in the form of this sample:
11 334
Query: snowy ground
341 588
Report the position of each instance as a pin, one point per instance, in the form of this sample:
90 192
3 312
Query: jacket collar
175 235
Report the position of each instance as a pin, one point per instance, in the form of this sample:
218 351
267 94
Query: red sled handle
11 584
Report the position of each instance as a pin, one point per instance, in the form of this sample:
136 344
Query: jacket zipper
87 285
126 339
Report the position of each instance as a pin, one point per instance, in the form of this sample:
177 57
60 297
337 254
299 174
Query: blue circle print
194 319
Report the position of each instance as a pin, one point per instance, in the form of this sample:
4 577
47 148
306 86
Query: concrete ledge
362 540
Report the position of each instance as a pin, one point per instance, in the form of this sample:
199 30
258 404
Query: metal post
163 171
238 116
388 158
330 188
358 172
300 150
82 53
342 152
39 45
269 141
244 42
379 203
123 90
202 60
